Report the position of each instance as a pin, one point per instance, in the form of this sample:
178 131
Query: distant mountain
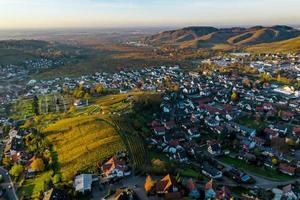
210 37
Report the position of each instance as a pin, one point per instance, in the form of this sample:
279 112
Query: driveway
128 182
8 185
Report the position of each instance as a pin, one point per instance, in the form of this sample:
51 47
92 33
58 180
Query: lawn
80 142
190 173
246 121
33 187
259 171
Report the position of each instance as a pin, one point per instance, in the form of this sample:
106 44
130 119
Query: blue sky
131 13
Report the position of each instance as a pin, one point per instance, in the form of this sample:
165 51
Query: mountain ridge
197 37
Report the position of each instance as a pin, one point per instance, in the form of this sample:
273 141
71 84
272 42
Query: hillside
286 46
210 37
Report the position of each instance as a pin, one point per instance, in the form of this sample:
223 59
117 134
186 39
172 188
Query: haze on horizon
18 14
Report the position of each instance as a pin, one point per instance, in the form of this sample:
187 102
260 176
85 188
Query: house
209 190
268 162
170 125
271 133
268 106
212 122
279 128
287 169
247 131
214 148
296 131
193 191
288 192
223 193
211 171
287 116
83 183
168 187
125 194
193 133
114 168
160 130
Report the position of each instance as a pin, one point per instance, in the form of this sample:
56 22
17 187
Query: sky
145 13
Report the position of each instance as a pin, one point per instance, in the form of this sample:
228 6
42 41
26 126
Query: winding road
8 185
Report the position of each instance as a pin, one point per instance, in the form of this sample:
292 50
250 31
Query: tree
149 184
159 166
234 96
6 161
35 105
266 77
72 109
56 178
99 89
274 161
16 170
87 97
38 165
247 83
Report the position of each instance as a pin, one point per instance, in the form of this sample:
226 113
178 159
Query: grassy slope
36 185
286 46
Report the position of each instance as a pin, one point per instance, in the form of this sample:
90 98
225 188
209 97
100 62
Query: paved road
264 182
8 185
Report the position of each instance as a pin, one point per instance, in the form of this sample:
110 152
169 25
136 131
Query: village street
7 184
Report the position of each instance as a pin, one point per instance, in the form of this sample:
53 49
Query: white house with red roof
114 168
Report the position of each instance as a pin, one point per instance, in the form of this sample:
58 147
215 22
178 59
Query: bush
56 178
16 170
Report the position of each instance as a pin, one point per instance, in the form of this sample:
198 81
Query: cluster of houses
12 77
198 119
111 170
288 64
170 187
143 79
15 147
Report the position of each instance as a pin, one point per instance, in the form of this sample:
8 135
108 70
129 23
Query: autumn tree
38 165
149 184
234 96
6 161
266 77
16 170
247 83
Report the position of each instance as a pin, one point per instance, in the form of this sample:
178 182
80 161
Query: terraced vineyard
82 141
